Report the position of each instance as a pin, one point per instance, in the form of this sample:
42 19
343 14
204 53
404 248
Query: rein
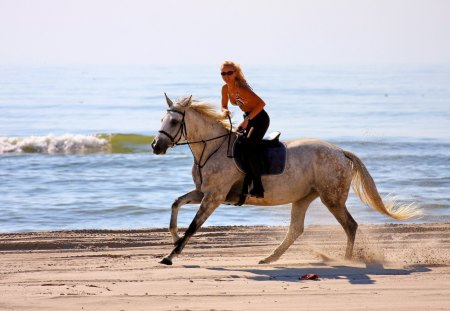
182 132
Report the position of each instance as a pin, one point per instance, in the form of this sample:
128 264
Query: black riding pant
256 129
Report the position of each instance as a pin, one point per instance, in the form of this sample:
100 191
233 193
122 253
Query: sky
58 32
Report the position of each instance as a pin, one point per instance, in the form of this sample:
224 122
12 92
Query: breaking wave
76 144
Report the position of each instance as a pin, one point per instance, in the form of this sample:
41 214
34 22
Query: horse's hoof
263 262
166 261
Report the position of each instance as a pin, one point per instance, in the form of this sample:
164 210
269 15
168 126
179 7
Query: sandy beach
396 267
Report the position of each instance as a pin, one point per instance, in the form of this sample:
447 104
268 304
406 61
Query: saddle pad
273 157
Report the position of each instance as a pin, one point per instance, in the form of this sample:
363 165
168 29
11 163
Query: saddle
273 154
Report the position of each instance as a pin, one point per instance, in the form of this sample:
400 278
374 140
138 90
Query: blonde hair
240 78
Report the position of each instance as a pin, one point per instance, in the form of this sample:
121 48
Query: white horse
314 168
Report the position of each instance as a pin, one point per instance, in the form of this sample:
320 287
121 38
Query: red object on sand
311 276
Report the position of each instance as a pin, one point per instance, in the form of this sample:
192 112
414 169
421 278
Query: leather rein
182 133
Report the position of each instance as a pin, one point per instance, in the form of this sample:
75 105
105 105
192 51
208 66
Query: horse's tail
365 188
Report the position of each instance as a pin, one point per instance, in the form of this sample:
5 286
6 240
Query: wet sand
396 267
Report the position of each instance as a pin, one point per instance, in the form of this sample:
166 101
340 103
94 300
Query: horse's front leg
193 197
209 204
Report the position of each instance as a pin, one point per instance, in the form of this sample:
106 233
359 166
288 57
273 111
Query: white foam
68 143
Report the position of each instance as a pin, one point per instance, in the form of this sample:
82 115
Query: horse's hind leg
347 222
298 211
193 197
350 226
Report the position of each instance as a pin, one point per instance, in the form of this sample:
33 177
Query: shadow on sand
354 275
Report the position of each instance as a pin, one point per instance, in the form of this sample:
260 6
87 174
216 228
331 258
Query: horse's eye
173 122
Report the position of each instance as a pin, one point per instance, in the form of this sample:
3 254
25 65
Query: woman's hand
226 112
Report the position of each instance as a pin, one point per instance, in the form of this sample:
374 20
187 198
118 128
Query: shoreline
395 266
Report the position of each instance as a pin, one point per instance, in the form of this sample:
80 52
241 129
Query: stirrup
256 194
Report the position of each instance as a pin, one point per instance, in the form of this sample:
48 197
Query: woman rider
256 120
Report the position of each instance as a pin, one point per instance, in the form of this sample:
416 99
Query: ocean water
75 141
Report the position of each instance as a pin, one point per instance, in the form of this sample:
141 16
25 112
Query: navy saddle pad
273 155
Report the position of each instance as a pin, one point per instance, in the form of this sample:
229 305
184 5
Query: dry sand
397 267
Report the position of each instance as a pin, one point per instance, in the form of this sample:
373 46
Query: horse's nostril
154 144
156 148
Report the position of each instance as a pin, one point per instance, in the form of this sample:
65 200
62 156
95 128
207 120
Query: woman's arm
225 100
254 103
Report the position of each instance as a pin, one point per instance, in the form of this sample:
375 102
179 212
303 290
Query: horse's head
172 125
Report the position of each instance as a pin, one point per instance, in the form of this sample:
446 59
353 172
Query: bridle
181 129
182 133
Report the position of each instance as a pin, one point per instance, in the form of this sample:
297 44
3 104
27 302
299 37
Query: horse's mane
205 109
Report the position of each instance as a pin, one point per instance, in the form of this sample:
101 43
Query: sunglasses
227 73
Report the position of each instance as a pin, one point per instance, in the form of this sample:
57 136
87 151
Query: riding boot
256 188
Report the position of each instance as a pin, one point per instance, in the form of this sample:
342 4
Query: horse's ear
169 102
186 102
